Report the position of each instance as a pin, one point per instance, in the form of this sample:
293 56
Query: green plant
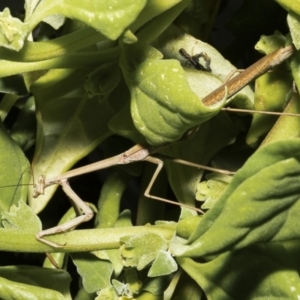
108 73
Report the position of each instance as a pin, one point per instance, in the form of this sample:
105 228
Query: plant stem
77 240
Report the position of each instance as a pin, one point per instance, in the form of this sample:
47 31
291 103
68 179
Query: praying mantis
144 152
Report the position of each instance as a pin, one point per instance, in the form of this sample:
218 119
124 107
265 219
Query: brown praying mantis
144 152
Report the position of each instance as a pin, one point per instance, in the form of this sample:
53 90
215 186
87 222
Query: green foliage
212 189
109 74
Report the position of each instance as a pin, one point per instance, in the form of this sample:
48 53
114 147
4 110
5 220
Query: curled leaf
161 86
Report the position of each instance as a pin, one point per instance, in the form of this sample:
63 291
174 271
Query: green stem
110 198
73 60
37 51
77 240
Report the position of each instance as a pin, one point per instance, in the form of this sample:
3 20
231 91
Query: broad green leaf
95 273
14 173
137 251
260 204
160 86
30 282
11 290
111 18
259 272
80 125
21 217
164 264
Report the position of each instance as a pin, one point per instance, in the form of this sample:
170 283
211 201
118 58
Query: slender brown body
236 83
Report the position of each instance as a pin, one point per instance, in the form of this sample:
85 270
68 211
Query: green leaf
258 272
124 220
22 218
13 32
140 250
269 43
80 125
187 288
290 5
294 25
155 286
14 172
102 81
286 127
30 6
271 90
174 38
95 273
122 124
108 293
160 86
164 264
110 198
111 18
30 282
120 287
56 21
186 226
260 204
211 190
130 286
